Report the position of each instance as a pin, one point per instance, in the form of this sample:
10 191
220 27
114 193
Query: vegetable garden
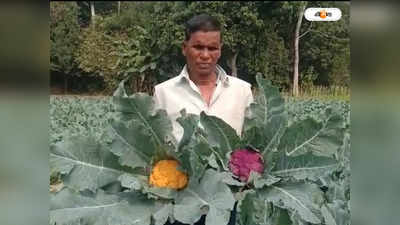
119 164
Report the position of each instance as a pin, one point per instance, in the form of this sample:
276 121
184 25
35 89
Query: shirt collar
221 75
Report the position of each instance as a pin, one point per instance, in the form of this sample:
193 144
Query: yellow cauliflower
165 174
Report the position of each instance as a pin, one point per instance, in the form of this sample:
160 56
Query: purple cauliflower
243 161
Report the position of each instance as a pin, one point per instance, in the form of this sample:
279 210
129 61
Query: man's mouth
204 65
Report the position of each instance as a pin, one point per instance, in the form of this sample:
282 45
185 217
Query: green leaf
84 163
299 198
194 165
212 161
248 211
153 65
329 220
228 178
144 68
211 196
141 135
157 193
131 144
68 207
339 211
268 102
321 138
162 215
140 108
193 148
130 181
272 133
189 122
220 135
266 119
267 180
139 59
306 166
132 70
140 183
255 211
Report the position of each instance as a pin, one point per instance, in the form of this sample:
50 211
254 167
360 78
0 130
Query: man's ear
183 48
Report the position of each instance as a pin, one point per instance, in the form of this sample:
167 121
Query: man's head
202 45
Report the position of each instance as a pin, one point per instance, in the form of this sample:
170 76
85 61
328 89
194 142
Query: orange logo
323 14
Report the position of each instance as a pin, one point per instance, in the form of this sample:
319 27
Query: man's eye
198 47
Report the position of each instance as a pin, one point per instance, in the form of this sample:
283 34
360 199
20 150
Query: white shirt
228 102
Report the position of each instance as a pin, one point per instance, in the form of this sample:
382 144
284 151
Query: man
203 85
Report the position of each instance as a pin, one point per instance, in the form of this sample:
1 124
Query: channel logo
323 14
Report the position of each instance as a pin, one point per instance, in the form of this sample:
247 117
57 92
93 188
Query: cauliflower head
243 161
165 174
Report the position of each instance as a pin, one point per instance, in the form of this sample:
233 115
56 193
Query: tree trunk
141 86
295 90
119 7
232 64
65 84
92 12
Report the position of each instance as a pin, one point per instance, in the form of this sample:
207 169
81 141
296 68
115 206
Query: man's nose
205 53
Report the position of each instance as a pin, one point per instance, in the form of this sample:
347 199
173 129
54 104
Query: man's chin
204 72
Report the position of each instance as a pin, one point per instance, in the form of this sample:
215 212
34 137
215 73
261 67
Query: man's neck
202 79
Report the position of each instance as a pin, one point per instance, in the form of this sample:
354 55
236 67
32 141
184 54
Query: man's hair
202 22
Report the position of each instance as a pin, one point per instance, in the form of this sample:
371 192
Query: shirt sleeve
250 98
157 103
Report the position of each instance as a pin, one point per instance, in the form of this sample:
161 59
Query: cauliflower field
84 115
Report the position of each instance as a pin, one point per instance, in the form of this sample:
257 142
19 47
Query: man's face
202 51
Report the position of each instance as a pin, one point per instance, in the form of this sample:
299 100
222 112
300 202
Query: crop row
84 115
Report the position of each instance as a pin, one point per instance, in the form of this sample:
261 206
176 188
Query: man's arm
156 98
249 97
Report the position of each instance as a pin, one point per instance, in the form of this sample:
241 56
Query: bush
64 36
97 55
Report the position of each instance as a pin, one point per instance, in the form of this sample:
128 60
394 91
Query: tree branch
86 3
309 29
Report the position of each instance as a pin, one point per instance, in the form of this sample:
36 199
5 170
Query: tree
97 56
64 39
266 37
321 44
325 46
301 10
92 11
121 47
119 7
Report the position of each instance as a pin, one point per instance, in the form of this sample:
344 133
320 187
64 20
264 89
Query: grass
322 93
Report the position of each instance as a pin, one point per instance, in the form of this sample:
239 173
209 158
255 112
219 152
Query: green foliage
89 115
200 197
85 157
144 42
97 56
327 47
301 161
77 115
302 109
303 181
64 36
72 207
139 137
136 116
